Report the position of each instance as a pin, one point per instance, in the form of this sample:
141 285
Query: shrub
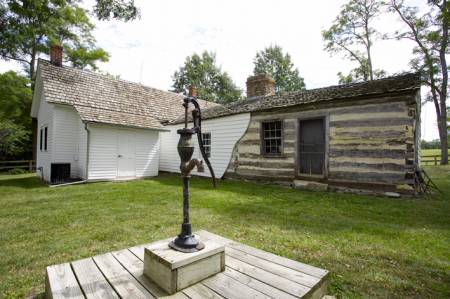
17 171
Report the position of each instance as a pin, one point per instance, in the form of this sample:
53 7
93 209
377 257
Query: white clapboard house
92 126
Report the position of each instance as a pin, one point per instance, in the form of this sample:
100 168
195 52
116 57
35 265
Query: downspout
87 150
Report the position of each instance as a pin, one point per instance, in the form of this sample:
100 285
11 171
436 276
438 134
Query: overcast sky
149 50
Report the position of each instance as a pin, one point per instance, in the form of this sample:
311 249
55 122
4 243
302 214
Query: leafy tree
272 61
212 83
429 30
15 120
352 33
433 144
29 27
116 9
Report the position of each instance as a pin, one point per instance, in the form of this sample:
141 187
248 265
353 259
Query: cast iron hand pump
186 241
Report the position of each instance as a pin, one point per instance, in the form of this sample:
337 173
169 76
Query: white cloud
149 50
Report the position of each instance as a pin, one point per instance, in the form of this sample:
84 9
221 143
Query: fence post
435 160
30 165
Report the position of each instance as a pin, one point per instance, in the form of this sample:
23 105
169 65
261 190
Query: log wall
369 141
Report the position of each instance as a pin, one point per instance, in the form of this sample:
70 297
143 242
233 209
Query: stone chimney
260 85
56 55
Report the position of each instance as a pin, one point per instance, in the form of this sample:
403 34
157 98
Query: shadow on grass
21 181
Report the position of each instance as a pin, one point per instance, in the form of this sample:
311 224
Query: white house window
206 137
272 138
43 140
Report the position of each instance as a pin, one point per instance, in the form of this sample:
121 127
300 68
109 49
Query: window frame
41 139
209 146
45 138
262 138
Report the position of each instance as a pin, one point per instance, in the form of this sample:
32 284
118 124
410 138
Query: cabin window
206 137
272 138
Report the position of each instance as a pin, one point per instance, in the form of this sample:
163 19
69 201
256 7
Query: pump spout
186 168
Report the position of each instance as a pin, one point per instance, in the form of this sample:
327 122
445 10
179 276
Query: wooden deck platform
250 273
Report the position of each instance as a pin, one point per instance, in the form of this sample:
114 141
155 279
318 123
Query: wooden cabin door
311 147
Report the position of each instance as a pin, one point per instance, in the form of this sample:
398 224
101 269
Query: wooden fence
433 159
29 165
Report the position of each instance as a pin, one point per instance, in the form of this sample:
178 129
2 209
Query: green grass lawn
430 152
374 247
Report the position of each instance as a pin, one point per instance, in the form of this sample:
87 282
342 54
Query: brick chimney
56 55
260 85
192 91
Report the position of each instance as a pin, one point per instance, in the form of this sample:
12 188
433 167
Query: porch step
309 185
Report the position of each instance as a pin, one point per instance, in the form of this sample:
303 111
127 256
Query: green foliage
15 120
14 139
353 35
429 30
272 61
116 9
433 144
16 171
212 83
29 27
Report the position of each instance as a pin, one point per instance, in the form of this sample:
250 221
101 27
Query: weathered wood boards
173 270
365 143
249 273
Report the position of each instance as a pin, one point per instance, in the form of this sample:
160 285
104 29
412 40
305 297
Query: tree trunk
443 135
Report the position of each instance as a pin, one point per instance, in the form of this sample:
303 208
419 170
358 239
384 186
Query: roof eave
161 129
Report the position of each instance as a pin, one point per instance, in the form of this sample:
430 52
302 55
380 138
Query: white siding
67 144
44 158
147 153
225 133
103 152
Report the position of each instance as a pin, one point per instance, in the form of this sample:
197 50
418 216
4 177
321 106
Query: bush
17 171
433 144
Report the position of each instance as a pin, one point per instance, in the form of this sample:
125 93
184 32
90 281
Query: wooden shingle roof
105 99
405 82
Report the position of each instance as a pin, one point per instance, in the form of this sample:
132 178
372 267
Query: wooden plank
18 161
199 290
199 270
391 107
269 278
370 134
175 259
396 154
92 281
350 116
122 281
135 267
139 250
295 265
369 177
230 288
61 283
257 285
368 160
373 122
161 274
378 166
296 276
